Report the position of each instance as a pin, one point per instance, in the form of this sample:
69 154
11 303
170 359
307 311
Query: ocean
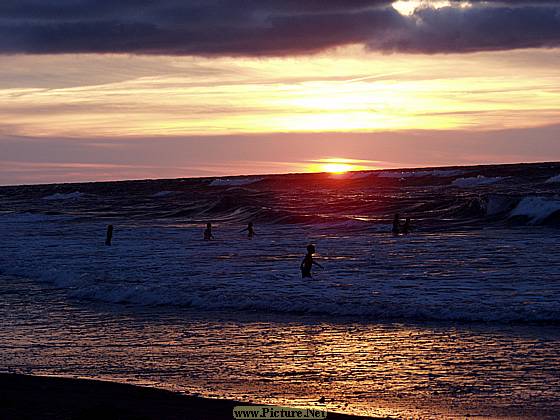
458 317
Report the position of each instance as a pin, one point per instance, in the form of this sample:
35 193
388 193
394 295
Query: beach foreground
33 397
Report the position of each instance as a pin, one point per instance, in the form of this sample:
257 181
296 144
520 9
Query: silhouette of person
109 236
308 262
396 223
250 230
208 232
406 226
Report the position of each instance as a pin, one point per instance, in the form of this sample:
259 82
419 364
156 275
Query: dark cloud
270 27
477 28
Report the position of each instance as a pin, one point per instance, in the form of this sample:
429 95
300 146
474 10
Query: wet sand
33 397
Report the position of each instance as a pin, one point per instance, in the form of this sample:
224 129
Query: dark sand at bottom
38 397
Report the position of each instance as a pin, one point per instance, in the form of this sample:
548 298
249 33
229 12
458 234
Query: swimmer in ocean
308 262
208 232
250 230
406 228
396 223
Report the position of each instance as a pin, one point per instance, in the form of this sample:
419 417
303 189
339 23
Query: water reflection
393 368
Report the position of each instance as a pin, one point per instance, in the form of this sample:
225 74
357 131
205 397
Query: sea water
459 317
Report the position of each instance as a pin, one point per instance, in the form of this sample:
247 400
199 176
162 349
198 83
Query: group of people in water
308 261
208 231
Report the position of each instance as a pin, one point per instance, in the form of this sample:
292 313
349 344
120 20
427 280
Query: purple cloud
270 27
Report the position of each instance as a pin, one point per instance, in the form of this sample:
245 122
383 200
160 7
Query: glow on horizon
108 117
339 166
346 90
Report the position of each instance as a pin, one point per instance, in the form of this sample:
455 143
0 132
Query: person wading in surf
308 262
406 228
208 232
396 224
250 230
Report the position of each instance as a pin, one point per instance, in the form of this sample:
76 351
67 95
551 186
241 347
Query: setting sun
337 168
339 165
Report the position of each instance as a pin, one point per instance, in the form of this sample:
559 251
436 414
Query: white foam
362 275
552 180
536 208
229 182
163 194
443 173
475 181
11 217
69 196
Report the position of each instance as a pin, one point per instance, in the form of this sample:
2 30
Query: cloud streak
346 90
271 28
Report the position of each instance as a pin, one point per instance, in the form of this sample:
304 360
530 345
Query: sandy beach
39 397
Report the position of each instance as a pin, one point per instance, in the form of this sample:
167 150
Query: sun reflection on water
392 369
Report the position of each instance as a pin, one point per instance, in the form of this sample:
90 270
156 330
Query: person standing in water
406 227
396 224
208 232
109 236
250 230
308 262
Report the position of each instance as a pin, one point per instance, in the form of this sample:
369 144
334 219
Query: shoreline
51 397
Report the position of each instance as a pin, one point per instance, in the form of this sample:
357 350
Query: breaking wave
475 181
228 182
368 198
473 255
537 209
161 194
69 196
417 174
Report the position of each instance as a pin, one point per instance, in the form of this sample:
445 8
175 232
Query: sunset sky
104 90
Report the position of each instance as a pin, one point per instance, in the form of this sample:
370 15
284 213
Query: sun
337 168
